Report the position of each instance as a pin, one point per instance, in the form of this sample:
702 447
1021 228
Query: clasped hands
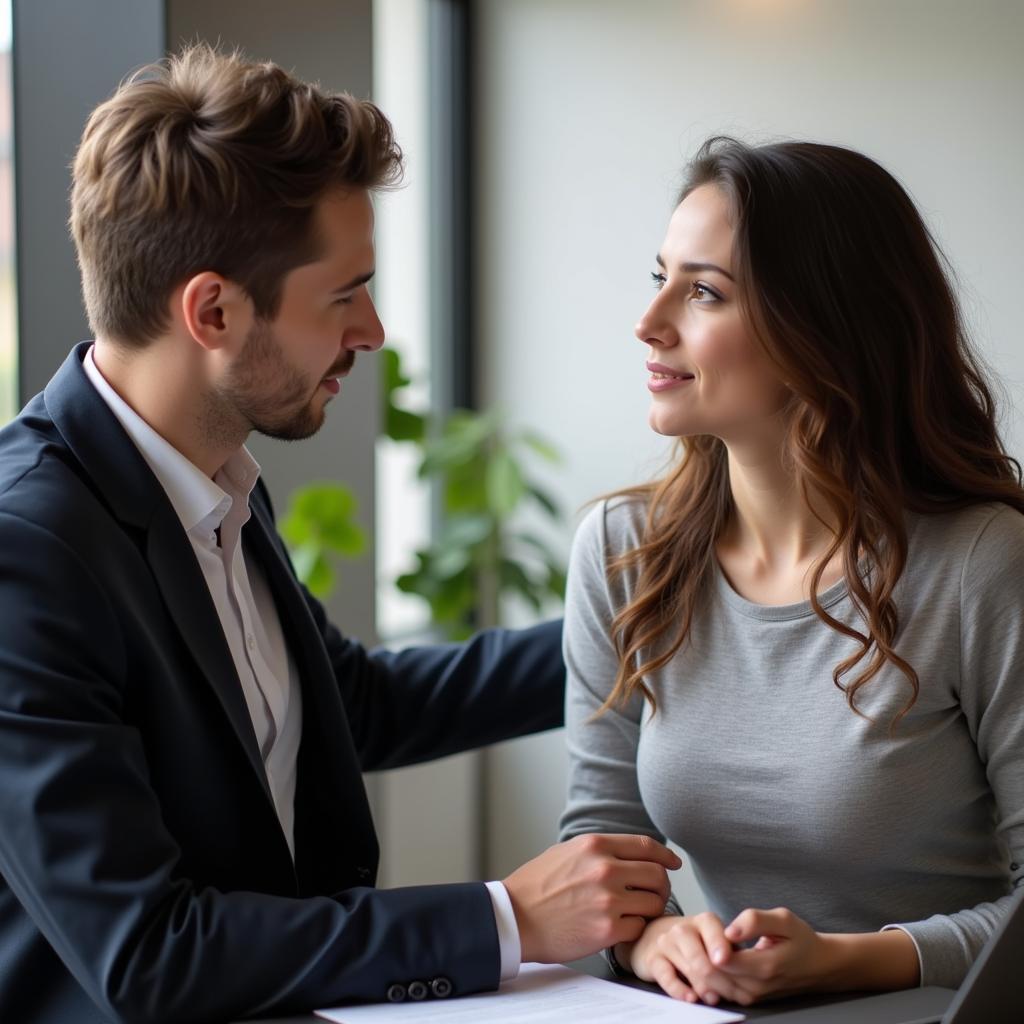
597 891
760 954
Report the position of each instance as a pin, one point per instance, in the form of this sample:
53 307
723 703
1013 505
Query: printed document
542 994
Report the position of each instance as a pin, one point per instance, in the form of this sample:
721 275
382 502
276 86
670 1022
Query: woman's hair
208 161
844 287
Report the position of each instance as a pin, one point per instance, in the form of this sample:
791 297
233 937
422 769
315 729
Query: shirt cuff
920 959
508 931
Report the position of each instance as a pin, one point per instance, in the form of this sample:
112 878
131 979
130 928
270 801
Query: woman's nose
654 328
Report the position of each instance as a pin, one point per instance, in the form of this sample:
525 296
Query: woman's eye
658 280
702 293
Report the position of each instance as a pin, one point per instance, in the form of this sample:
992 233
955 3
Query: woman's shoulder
614 524
979 542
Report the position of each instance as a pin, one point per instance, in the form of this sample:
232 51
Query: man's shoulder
43 484
31 450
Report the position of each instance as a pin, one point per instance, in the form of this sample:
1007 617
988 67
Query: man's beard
268 394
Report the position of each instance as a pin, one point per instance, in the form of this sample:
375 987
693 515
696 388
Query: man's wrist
509 945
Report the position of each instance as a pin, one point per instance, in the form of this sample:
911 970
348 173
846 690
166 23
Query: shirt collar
193 494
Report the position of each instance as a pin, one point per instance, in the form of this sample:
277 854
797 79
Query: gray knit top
778 792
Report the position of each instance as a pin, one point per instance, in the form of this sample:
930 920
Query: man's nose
368 336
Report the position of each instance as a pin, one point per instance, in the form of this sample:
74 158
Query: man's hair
208 161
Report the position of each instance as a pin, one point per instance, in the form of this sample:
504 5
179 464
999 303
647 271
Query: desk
596 966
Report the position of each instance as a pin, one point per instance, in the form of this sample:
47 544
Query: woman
800 654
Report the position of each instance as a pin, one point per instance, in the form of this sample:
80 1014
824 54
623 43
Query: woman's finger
665 974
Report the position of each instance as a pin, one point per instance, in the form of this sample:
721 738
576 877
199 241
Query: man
184 835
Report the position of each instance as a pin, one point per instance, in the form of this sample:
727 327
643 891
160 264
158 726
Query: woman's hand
696 957
787 956
685 956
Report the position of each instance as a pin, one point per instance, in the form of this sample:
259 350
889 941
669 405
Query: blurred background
545 141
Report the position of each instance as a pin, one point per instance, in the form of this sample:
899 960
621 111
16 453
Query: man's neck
165 384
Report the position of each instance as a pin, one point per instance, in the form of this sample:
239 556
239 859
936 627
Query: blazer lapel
184 590
119 475
335 842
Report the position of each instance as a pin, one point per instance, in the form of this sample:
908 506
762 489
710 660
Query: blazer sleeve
427 702
424 702
86 853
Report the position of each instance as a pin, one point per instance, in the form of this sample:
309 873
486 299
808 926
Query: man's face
289 368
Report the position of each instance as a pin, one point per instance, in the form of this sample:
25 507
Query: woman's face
707 373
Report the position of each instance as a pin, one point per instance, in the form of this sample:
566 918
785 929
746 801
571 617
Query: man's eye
658 279
344 300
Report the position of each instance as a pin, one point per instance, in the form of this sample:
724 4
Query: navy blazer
144 875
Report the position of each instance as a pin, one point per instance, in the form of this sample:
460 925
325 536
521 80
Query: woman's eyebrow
697 267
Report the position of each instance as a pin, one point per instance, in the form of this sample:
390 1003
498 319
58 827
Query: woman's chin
668 426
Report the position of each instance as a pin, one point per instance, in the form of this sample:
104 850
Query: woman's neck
773 538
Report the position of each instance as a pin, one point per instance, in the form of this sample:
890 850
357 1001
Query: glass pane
8 319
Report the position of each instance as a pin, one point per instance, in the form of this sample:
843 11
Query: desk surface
596 966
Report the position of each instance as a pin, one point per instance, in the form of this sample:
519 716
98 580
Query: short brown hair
209 161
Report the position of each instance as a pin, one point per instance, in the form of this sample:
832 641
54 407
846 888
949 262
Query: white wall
587 113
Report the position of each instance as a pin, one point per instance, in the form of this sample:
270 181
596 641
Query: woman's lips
659 382
663 378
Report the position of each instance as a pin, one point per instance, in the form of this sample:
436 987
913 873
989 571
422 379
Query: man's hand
588 893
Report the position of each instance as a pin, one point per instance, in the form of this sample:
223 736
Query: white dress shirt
248 616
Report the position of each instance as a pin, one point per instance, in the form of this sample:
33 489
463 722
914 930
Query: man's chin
296 429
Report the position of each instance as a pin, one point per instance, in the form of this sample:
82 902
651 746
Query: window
8 316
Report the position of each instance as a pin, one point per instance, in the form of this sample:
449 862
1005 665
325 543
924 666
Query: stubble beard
262 392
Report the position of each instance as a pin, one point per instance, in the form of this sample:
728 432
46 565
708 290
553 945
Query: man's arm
427 702
86 853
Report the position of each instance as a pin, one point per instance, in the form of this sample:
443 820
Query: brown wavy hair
842 284
210 161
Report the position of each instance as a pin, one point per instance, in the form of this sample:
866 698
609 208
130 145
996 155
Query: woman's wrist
620 957
876 961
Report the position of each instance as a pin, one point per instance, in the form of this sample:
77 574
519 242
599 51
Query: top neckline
775 612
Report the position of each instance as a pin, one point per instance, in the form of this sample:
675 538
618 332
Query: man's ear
216 311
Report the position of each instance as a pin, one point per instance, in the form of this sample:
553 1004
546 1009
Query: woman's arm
991 696
603 792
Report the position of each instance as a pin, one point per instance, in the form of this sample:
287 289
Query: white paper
542 994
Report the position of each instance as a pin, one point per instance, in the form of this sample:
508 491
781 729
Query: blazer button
396 993
363 873
441 987
417 990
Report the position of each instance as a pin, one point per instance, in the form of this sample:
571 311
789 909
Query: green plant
321 521
480 554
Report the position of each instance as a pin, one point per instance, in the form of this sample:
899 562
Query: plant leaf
513 577
466 531
505 486
541 447
544 500
321 578
402 425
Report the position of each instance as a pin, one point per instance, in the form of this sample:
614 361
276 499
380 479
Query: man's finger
627 847
640 903
642 874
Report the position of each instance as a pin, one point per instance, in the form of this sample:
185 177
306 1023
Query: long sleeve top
778 792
